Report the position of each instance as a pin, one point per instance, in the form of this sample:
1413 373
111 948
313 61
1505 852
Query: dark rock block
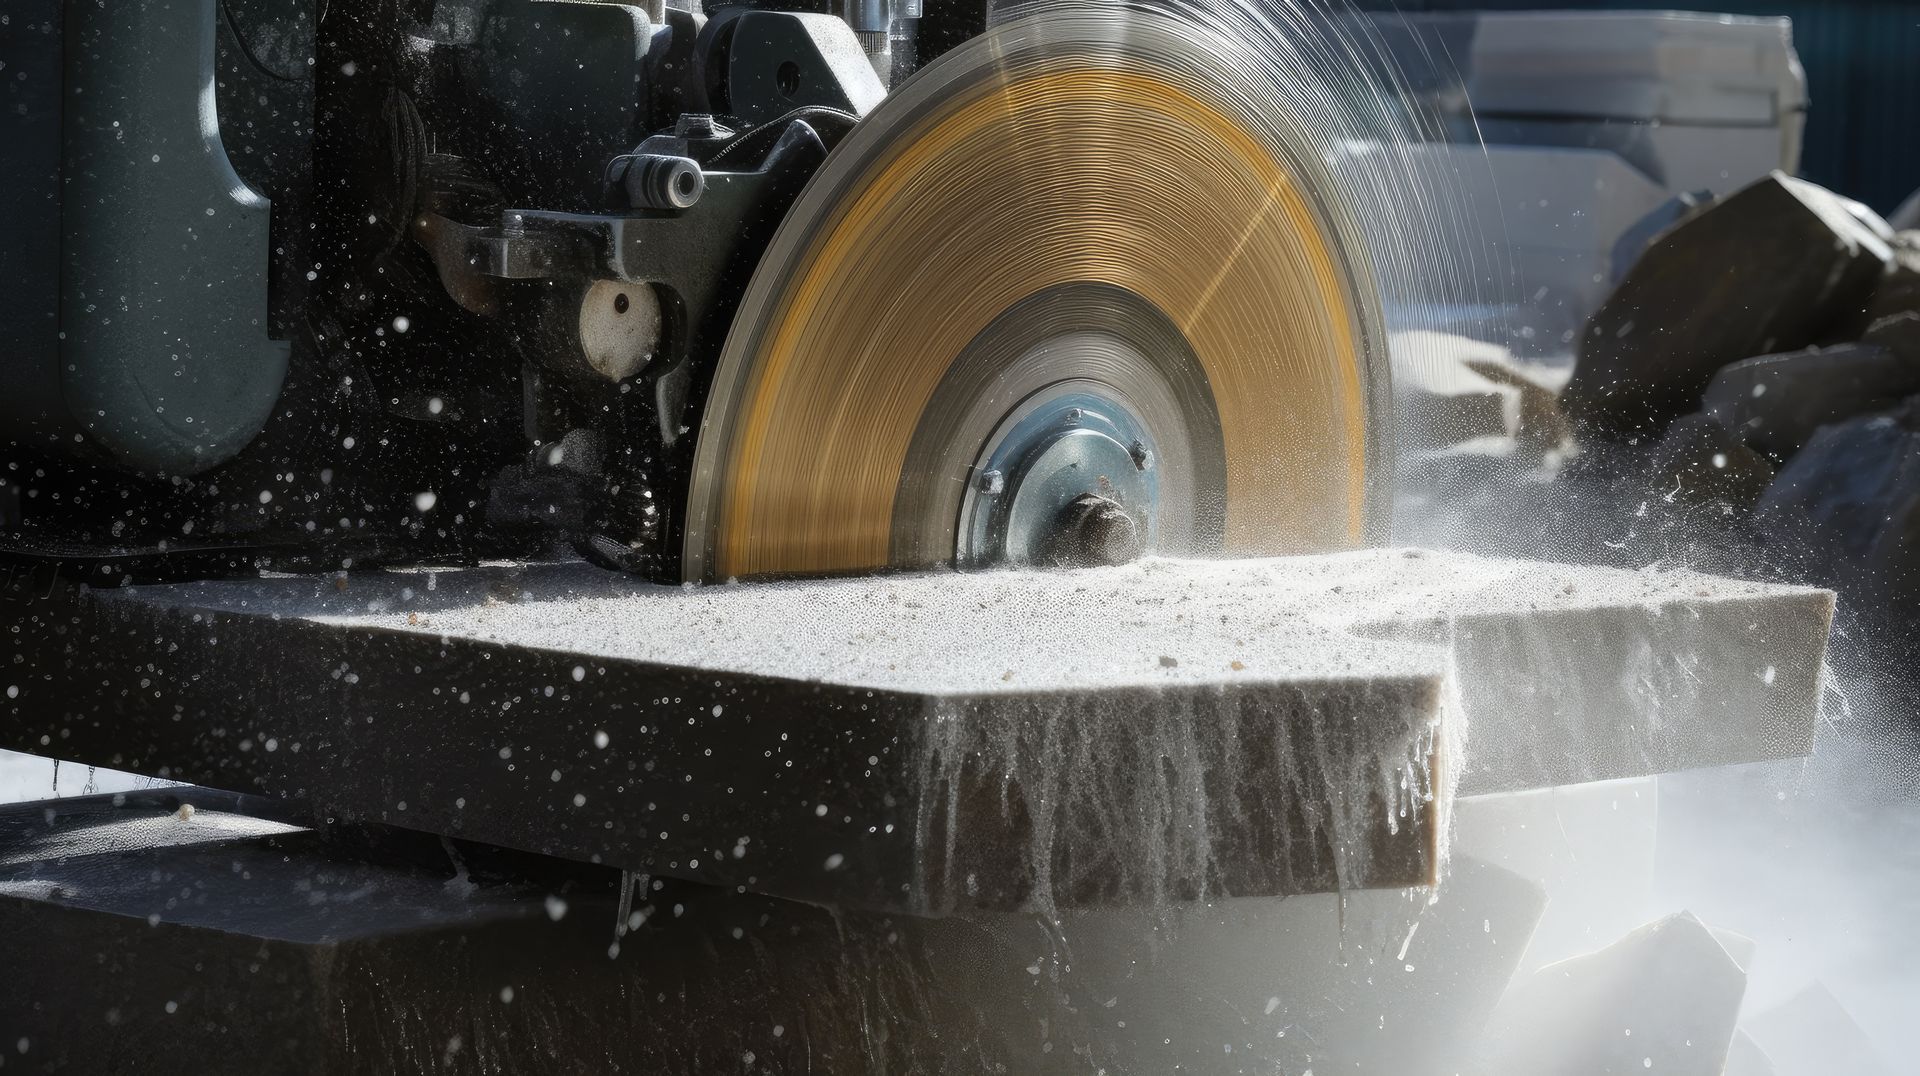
1776 402
1634 242
1899 289
1765 270
236 945
1898 333
1849 505
242 946
1700 461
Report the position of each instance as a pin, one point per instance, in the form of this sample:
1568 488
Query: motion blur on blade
750 293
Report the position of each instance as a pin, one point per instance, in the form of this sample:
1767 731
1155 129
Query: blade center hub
1067 479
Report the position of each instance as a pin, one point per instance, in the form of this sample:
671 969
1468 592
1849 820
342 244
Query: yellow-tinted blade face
1080 164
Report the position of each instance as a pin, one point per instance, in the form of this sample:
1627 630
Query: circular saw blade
1073 199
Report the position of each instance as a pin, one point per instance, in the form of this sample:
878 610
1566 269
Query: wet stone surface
1145 734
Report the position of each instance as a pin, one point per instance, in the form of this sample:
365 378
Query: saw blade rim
1035 37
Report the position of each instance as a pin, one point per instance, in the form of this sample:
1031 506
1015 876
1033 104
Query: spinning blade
1073 293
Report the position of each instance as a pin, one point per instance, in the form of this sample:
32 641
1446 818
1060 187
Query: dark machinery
309 283
300 282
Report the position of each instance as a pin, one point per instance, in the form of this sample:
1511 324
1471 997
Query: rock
1812 1034
1701 461
1908 215
1591 847
1898 290
1898 333
1744 1058
1849 504
1776 402
1372 982
1738 946
1765 270
1634 242
1893 561
1664 998
250 945
1867 218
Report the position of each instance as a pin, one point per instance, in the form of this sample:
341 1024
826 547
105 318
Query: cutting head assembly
1080 286
1066 296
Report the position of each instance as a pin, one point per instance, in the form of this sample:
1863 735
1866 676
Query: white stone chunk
1813 1034
1590 846
1384 981
1745 1058
1663 999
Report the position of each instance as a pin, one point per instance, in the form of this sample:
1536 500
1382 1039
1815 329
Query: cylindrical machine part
878 45
1094 531
660 181
869 16
874 22
618 328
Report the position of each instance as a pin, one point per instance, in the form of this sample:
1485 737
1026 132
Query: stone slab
1745 1058
1812 1033
1590 847
1567 674
1380 982
344 949
1664 998
1157 732
307 950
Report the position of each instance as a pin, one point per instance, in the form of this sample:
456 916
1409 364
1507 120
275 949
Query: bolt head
696 125
1095 531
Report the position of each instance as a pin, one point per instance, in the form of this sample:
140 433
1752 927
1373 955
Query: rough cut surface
1149 733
